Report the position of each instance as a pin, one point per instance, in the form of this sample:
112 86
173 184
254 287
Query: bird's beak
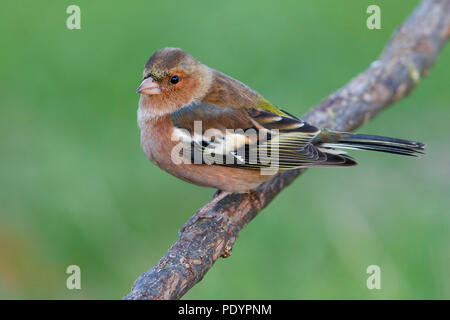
148 86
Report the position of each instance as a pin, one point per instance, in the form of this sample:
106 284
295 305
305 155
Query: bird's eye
174 79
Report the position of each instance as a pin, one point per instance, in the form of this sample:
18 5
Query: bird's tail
343 140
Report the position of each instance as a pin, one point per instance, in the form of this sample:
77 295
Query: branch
212 231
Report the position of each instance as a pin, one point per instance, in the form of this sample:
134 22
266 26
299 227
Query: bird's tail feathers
374 143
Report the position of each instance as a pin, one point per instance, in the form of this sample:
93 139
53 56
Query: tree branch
212 231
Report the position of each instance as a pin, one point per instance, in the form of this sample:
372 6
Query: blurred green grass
76 188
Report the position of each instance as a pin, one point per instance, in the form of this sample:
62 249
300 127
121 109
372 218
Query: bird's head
172 78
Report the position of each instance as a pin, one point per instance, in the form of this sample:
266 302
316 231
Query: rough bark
213 229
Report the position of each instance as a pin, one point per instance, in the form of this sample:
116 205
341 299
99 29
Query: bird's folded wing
250 138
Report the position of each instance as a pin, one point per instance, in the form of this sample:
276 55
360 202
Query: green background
75 187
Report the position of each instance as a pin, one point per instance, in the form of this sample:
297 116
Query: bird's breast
156 140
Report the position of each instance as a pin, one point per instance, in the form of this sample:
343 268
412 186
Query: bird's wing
293 141
253 138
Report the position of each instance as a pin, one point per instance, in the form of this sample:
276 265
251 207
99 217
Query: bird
207 128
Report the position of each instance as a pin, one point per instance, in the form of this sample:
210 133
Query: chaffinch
209 129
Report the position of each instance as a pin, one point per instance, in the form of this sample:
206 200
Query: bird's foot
217 193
